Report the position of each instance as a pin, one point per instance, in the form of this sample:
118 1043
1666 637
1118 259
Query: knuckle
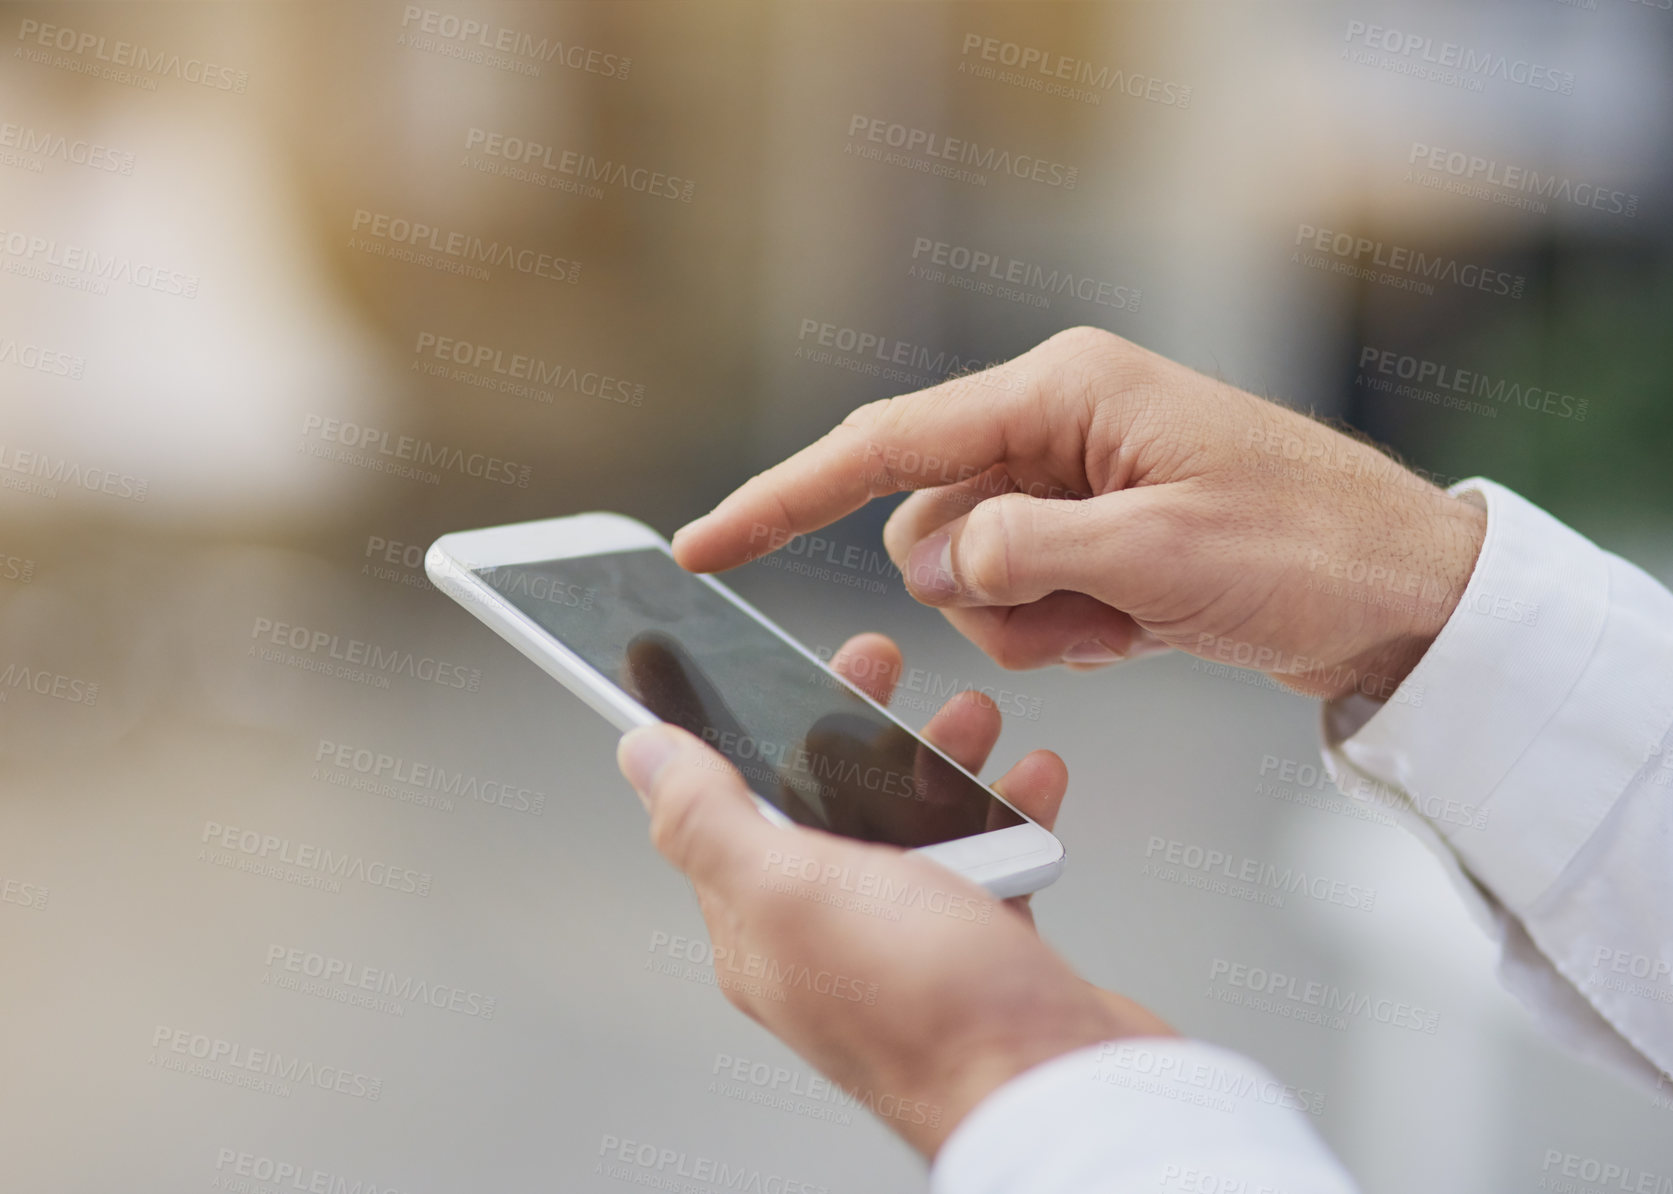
985 550
865 428
866 419
1092 358
1082 344
1082 336
897 541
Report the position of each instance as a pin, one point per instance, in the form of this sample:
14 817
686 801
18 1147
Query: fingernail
1091 651
641 754
929 566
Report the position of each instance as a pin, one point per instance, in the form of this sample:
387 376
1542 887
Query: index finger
939 436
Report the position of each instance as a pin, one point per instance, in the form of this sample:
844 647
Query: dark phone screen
802 739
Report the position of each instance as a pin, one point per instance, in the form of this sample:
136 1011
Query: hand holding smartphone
597 601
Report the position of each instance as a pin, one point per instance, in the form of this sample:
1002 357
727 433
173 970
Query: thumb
1015 549
703 817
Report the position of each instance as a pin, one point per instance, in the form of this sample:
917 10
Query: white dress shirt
1545 703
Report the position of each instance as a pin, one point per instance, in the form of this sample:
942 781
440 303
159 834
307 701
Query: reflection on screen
801 738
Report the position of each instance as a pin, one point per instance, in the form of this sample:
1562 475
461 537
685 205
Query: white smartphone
597 601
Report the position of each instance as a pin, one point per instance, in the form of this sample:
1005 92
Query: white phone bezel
1007 862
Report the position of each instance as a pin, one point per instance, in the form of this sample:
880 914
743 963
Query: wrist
968 1073
1449 539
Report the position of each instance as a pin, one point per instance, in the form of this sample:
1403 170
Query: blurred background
287 290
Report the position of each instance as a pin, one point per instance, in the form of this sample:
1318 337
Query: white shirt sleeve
1143 1115
1531 749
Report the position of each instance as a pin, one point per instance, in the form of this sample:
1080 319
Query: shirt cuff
1142 1114
1514 735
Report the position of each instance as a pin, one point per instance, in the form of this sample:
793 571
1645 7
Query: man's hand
1091 501
921 997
